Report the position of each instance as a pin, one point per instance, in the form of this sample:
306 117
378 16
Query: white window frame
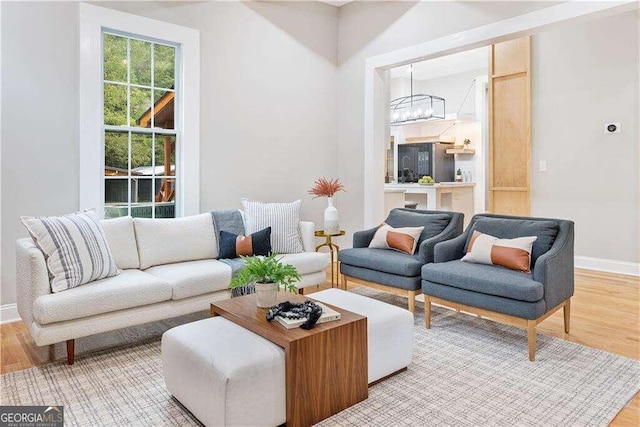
95 19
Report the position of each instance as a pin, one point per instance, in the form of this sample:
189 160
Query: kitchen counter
411 185
443 196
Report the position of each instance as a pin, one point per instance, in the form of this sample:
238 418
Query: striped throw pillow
284 220
75 248
403 239
514 254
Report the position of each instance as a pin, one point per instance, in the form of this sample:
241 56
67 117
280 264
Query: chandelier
416 108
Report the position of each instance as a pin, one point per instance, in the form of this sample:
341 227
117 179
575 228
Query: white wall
584 76
268 105
371 28
40 120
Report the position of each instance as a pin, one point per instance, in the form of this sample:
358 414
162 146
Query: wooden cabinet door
510 127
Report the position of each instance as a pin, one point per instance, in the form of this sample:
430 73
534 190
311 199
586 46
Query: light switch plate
542 167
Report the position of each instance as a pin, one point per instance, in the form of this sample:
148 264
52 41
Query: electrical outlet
542 167
611 128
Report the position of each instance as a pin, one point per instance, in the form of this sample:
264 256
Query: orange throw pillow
514 254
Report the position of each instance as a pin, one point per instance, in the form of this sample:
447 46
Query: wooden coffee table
326 367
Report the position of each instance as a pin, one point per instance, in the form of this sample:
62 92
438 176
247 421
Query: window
140 130
139 115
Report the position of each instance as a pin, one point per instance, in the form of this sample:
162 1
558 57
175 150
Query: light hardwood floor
605 314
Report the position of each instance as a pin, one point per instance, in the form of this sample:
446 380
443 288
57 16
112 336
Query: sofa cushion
122 241
386 260
192 278
75 248
433 224
167 241
522 309
131 288
510 228
393 280
486 279
306 262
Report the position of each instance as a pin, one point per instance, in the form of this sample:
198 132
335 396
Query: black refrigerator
418 160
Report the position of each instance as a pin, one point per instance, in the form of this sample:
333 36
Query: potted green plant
467 143
459 175
268 275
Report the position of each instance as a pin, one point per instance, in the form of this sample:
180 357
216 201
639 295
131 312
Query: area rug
465 371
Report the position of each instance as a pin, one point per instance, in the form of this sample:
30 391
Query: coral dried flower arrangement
326 187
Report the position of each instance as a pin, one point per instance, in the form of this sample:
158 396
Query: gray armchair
507 296
394 271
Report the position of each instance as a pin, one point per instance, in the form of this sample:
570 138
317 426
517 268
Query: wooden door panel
510 128
510 57
511 203
511 135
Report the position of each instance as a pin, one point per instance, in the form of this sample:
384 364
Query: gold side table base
333 252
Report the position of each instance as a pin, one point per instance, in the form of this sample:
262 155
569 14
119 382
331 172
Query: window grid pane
129 182
147 104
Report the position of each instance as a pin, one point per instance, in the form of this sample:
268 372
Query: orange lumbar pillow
402 239
511 253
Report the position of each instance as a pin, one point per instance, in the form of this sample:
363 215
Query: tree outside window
140 134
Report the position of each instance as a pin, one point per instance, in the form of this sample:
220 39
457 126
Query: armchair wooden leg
344 281
427 311
70 351
531 335
411 295
567 314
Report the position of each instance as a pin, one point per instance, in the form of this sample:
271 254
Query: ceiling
336 3
446 65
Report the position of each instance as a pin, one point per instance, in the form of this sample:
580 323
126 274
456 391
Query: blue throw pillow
233 245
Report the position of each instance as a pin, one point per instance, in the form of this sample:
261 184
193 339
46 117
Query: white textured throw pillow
403 239
514 254
284 220
75 248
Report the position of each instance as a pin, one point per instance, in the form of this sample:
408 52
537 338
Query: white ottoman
225 374
389 330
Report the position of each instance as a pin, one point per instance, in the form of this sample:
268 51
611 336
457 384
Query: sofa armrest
361 239
427 246
32 278
450 250
555 268
307 230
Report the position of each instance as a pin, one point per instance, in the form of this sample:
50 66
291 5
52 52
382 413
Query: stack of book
328 314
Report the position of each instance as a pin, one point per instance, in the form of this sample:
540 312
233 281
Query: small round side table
333 249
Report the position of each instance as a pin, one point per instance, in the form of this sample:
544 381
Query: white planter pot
331 225
266 294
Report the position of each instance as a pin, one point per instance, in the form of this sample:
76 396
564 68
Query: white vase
331 225
266 294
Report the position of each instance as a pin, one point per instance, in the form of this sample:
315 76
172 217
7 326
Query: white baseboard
9 313
608 265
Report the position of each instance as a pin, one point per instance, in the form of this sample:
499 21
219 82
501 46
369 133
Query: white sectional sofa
169 268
